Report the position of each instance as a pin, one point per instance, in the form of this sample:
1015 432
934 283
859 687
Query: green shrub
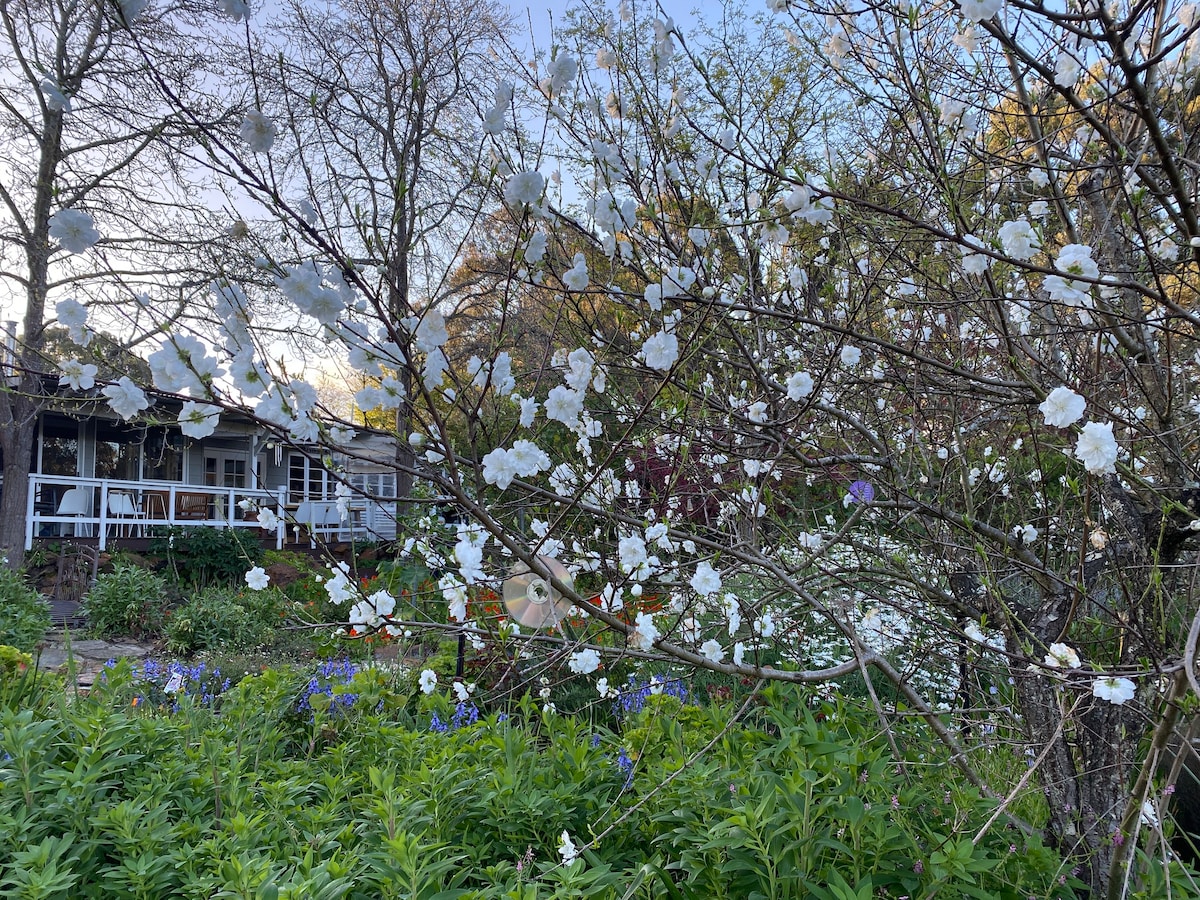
307 779
222 618
128 601
13 662
202 556
24 613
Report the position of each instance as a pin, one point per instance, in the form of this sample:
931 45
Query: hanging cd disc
532 600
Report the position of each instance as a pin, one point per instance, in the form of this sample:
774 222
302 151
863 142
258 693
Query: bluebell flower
464 714
625 764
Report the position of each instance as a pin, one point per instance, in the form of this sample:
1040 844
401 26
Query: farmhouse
94 476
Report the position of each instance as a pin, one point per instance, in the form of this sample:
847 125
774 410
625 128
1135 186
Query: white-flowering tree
95 207
875 355
361 169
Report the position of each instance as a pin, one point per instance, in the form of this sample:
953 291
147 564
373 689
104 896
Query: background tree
93 203
377 167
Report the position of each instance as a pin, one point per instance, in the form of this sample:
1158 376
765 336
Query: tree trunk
1094 745
18 429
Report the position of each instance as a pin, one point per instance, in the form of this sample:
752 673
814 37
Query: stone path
87 654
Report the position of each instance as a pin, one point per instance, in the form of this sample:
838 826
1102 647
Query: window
225 470
59 447
308 480
118 451
162 458
375 485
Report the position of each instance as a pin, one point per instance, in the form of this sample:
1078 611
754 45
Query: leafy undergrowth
347 782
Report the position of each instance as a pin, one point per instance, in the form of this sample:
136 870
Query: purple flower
862 491
625 764
464 714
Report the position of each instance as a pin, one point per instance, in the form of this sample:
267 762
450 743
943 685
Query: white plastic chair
320 517
75 502
125 511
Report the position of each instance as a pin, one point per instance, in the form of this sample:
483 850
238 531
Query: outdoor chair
190 505
76 502
321 518
125 510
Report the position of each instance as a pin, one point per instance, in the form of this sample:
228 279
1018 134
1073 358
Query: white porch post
281 528
103 514
29 510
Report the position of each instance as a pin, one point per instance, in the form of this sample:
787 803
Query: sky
533 30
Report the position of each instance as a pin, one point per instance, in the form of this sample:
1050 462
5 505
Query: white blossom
739 653
660 351
799 386
567 849
428 681
494 120
1114 690
125 398
645 632
463 692
524 188
977 11
1066 69
1061 656
712 650
1097 448
258 131
306 287
584 662
576 278
1062 407
564 405
535 247
257 579
198 420
76 375
528 459
469 555
1073 259
499 468
706 580
338 587
1019 240
529 408
764 625
973 263
631 552
1027 534
454 592
560 73
431 332
74 230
